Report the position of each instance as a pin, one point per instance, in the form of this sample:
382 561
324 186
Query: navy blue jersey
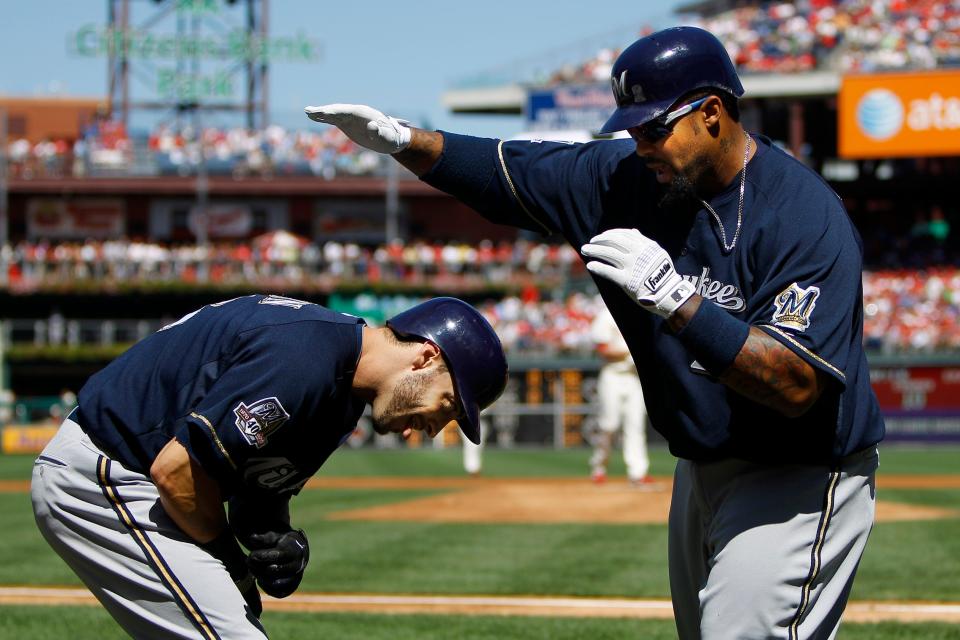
794 272
258 389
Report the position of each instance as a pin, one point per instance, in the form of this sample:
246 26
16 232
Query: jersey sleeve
541 186
809 297
265 387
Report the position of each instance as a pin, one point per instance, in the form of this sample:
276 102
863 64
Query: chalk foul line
859 611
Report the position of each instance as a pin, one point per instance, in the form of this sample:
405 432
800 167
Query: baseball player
734 273
473 453
240 401
620 399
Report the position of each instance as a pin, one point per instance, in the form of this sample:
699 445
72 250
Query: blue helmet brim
634 115
471 410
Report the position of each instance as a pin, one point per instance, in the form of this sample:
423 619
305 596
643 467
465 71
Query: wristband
714 337
465 164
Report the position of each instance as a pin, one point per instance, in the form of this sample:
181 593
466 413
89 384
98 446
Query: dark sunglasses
661 127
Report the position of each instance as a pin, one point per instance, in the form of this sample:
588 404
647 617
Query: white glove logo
653 282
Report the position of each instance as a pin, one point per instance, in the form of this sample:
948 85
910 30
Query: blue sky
397 56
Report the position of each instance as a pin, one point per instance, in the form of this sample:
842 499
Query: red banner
933 391
75 219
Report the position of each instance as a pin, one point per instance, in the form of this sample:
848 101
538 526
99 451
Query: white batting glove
364 125
641 267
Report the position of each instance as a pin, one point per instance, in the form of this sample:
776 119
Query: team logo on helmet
794 306
623 93
258 420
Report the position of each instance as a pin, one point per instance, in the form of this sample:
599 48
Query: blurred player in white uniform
620 400
473 453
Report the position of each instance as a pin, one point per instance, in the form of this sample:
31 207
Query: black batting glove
226 549
278 560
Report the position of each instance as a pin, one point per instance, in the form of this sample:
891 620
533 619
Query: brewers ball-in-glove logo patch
794 306
258 420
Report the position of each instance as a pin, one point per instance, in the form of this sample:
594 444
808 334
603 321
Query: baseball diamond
589 320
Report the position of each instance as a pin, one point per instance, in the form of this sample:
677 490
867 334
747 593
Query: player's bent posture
733 272
239 402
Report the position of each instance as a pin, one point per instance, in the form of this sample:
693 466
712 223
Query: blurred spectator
106 147
281 260
912 310
842 35
906 309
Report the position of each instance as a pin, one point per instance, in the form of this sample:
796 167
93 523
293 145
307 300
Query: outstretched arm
423 152
416 149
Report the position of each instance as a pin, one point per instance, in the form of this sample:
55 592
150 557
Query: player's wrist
404 135
713 336
675 295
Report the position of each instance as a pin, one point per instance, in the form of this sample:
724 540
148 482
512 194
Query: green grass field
917 560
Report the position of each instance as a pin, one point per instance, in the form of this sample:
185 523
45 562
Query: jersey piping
792 341
216 439
793 632
513 189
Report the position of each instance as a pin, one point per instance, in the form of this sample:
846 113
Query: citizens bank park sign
190 63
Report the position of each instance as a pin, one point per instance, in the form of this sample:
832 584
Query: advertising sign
212 35
584 107
222 220
899 115
26 439
77 219
919 402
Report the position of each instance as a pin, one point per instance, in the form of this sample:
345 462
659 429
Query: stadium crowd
841 35
169 150
915 308
286 261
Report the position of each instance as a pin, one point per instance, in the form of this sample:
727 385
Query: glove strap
675 297
404 134
658 287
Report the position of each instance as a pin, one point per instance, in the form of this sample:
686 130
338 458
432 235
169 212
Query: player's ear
428 354
711 110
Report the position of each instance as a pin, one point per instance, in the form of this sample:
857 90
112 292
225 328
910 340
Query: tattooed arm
764 370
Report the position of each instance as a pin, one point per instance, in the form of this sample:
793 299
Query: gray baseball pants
106 522
767 551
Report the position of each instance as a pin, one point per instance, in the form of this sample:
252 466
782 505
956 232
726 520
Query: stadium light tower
199 66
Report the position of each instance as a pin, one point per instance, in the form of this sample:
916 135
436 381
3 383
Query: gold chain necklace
743 182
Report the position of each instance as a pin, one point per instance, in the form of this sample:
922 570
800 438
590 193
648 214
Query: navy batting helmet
470 347
655 71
